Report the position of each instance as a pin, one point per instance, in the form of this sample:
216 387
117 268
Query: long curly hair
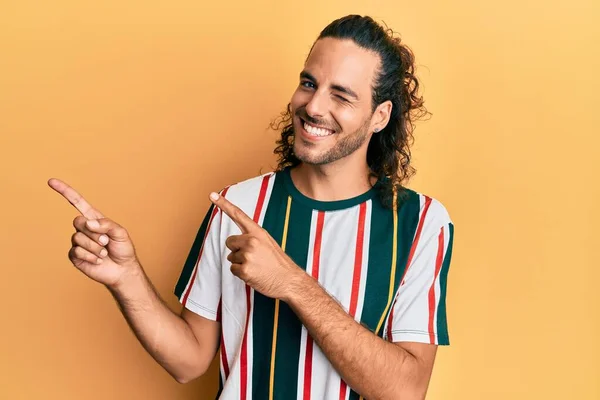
388 153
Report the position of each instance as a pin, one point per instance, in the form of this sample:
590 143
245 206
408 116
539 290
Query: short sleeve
418 313
199 285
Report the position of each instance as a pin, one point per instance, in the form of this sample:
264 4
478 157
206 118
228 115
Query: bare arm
102 249
373 367
183 345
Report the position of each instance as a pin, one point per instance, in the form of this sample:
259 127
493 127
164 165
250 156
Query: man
325 279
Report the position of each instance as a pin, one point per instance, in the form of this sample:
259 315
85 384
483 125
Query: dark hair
388 153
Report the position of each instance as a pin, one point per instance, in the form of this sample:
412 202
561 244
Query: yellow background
146 107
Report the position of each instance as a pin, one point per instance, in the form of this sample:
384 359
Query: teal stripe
380 255
264 307
442 322
380 258
190 263
289 333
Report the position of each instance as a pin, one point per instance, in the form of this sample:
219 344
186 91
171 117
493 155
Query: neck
332 182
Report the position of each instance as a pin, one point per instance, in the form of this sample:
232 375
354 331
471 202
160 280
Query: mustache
301 113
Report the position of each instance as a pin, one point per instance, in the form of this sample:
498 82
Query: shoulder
248 187
429 211
248 193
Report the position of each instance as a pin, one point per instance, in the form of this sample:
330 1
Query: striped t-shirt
387 269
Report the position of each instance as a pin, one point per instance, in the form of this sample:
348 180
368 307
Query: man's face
331 107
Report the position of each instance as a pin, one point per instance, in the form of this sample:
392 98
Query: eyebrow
337 87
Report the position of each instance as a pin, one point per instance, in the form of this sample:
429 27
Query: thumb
113 230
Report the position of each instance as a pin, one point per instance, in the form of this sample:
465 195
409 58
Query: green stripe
190 263
380 257
289 334
264 307
442 323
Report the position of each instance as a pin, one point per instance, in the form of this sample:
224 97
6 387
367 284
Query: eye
341 98
307 84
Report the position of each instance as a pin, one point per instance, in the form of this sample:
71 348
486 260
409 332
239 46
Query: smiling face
332 106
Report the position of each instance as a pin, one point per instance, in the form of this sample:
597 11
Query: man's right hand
101 248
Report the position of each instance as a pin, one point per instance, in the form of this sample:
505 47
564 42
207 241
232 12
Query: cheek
348 118
297 99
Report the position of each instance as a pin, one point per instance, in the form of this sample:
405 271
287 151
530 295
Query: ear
381 116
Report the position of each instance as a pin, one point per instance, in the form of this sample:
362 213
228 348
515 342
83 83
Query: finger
82 240
80 223
109 227
236 242
236 269
77 255
236 257
243 221
74 198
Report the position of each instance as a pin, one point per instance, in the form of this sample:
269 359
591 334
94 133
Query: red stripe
410 257
244 355
191 282
261 198
356 278
315 274
438 267
358 258
223 351
223 194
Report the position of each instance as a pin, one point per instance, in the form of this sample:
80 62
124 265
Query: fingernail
98 261
103 252
92 223
214 196
103 239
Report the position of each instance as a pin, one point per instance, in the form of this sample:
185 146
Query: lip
308 136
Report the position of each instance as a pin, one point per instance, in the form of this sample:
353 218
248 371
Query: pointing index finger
75 199
243 221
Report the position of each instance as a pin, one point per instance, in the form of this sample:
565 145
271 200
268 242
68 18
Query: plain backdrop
147 106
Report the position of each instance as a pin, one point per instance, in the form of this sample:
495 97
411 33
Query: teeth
316 131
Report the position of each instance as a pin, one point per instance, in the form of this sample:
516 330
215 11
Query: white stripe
204 239
245 195
304 337
338 251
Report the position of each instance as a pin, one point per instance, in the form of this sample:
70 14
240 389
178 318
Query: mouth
315 131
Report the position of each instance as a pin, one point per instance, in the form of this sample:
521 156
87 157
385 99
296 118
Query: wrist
300 283
132 274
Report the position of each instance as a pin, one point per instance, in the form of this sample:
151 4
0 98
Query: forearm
373 367
165 335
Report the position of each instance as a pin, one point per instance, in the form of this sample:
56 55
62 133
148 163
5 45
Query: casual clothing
388 271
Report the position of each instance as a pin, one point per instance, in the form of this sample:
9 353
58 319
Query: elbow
414 389
182 379
408 394
188 375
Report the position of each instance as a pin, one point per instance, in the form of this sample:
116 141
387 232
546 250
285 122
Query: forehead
342 62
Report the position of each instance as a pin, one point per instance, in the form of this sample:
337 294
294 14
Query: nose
317 106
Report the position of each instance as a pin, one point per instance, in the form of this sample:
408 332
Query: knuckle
78 252
79 222
237 213
253 242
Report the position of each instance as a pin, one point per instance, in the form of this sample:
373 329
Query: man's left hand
255 256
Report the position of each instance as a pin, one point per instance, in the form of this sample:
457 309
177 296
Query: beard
307 153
